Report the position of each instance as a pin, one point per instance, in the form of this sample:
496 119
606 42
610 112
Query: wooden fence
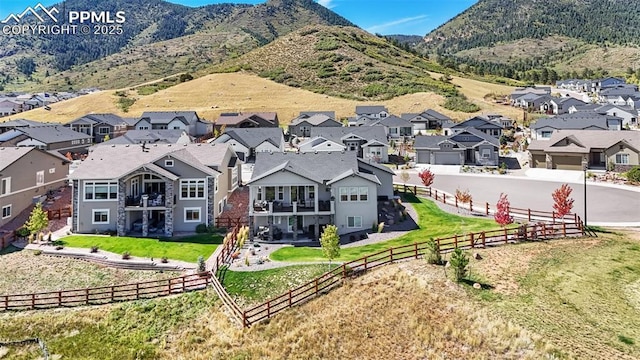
59 213
334 277
230 223
483 208
105 294
7 238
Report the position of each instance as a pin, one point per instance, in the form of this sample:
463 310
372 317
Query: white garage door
448 158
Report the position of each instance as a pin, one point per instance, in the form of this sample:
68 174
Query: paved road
605 205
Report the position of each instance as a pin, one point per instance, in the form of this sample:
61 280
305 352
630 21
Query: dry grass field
213 94
23 272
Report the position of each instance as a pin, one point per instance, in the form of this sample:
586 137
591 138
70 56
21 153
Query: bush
459 262
634 174
37 252
202 229
164 260
432 253
22 232
380 227
126 255
202 267
460 103
94 249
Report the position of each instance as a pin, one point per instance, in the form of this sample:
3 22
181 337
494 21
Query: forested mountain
513 37
150 22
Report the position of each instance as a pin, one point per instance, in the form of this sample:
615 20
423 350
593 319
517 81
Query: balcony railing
295 207
152 200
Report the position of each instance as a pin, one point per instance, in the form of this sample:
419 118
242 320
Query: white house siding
386 180
241 150
176 124
369 152
324 146
267 147
85 211
368 210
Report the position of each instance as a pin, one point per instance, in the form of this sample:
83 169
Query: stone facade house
99 126
152 189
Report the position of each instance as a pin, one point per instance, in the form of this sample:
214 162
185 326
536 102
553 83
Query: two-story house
301 125
368 142
188 121
26 175
301 193
491 126
152 189
99 126
151 137
467 147
247 120
249 141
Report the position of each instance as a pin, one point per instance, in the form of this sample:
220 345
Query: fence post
506 238
470 205
33 301
444 198
391 252
365 263
415 247
430 195
344 271
268 309
245 321
553 217
456 202
487 208
472 242
316 286
525 232
484 239
289 297
436 195
6 302
183 284
112 293
529 214
564 229
59 298
415 190
455 241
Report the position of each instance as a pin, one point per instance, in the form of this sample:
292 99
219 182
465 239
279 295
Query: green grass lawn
433 222
255 286
184 248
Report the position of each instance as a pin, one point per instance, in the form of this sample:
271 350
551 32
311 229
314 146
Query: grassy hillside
341 61
561 299
230 92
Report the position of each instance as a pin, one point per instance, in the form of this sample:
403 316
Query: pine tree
459 262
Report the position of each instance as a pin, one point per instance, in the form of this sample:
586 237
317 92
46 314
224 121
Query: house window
344 194
103 130
234 176
364 193
486 153
220 207
94 191
622 159
168 163
280 193
259 193
545 134
6 211
5 187
52 171
192 189
393 130
192 214
353 194
143 128
40 178
100 216
215 185
312 192
354 222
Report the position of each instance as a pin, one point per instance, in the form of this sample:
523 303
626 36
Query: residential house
21 123
491 126
396 127
466 147
47 137
149 137
368 142
535 90
247 120
628 114
593 149
599 85
560 105
530 101
617 96
302 193
26 175
426 120
633 101
250 141
574 84
188 121
9 107
372 111
301 126
152 189
544 127
99 126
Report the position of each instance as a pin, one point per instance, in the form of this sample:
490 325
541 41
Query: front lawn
185 248
433 222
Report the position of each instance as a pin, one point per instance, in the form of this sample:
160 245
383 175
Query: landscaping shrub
94 249
202 267
164 260
202 228
37 252
126 255
634 174
459 263
432 253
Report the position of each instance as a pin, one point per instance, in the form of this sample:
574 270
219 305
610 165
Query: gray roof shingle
252 137
336 134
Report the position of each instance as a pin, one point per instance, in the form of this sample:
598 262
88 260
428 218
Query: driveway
606 205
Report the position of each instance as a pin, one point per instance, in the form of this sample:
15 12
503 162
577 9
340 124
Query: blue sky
409 17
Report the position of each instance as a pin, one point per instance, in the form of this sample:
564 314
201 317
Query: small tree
502 216
106 138
330 242
463 196
202 267
404 176
427 177
38 220
562 203
432 253
459 263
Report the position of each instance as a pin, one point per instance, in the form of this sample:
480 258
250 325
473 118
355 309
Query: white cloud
326 3
388 25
